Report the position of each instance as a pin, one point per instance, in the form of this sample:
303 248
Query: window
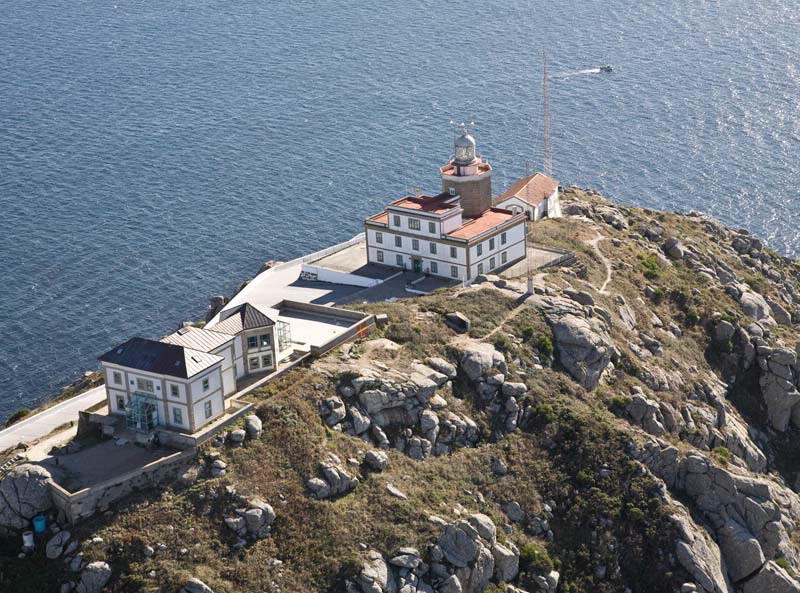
454 271
399 260
117 377
177 416
379 237
480 268
120 403
145 385
452 191
503 238
396 220
380 256
208 409
174 391
205 384
480 249
504 257
492 263
413 224
265 340
252 343
491 243
398 241
453 252
266 361
434 268
254 362
433 247
431 227
415 244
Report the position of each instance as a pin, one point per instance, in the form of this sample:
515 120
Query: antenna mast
548 146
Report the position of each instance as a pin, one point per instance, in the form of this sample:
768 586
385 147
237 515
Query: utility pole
548 146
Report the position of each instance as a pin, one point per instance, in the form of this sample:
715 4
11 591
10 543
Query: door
417 266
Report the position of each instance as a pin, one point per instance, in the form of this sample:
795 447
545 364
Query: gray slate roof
241 318
160 358
198 339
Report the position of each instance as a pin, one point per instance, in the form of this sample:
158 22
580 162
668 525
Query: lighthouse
468 176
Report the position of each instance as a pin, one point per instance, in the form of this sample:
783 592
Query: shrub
784 564
692 316
535 559
545 345
17 416
650 266
659 294
545 412
528 332
722 454
618 405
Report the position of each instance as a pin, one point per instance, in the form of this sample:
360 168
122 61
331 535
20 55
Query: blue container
39 523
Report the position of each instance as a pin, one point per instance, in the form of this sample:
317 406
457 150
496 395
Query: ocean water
154 153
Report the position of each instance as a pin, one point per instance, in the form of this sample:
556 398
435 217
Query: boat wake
597 70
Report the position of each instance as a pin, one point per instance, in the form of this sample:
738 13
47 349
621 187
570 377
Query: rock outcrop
24 493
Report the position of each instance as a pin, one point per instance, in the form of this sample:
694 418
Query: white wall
442 258
335 277
514 249
217 406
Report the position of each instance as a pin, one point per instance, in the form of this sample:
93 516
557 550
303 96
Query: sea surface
155 153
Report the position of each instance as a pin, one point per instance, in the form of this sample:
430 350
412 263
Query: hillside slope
632 426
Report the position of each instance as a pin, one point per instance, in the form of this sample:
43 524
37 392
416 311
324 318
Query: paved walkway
41 424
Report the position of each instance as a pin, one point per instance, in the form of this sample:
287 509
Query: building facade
455 234
536 195
156 384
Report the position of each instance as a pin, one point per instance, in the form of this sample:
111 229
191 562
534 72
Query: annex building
536 195
455 234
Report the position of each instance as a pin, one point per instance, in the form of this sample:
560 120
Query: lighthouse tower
468 176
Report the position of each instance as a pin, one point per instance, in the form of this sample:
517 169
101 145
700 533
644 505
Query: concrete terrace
353 260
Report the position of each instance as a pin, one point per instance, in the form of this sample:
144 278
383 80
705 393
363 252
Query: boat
606 69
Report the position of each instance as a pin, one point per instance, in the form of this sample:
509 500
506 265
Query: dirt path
594 243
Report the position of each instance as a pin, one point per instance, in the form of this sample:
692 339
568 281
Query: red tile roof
531 190
434 204
381 218
486 221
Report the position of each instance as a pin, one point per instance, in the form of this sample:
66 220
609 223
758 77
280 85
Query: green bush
650 266
784 564
17 416
618 404
545 345
544 412
692 316
534 559
722 454
527 333
659 294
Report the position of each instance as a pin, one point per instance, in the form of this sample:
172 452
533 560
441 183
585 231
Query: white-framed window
399 259
174 391
415 244
398 241
503 238
480 248
492 263
265 340
252 343
117 377
504 257
454 271
431 227
120 403
253 361
266 361
453 252
206 384
491 243
145 385
379 237
177 416
433 247
413 224
396 220
380 255
434 268
452 191
480 268
208 409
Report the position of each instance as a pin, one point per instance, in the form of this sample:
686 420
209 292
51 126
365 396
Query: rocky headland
633 426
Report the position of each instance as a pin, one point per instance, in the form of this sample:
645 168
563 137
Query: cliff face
630 427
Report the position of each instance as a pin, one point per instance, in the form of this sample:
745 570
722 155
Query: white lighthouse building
455 234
